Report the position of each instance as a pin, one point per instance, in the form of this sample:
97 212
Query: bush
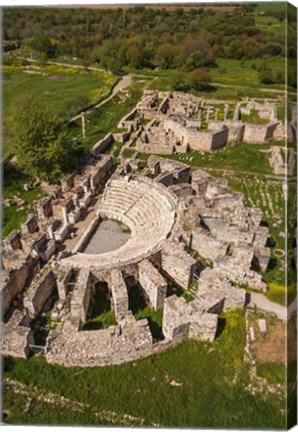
200 79
279 293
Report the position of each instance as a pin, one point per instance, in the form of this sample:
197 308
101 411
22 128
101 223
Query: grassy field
65 90
243 157
235 72
270 7
211 393
106 118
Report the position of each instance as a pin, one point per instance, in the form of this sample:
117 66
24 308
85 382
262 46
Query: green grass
14 181
106 118
65 90
42 413
154 319
213 377
253 118
101 316
243 157
268 7
274 373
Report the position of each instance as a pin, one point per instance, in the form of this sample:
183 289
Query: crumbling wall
15 281
102 144
154 285
119 294
39 292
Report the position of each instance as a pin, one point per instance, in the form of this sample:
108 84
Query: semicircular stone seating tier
148 208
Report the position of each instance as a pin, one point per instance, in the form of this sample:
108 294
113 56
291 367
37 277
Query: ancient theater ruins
183 241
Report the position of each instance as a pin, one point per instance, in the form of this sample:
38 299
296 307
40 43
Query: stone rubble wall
15 282
259 134
101 145
80 299
39 292
154 285
119 294
178 264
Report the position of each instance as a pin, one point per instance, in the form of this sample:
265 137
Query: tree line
139 37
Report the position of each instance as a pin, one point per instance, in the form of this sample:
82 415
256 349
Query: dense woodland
139 37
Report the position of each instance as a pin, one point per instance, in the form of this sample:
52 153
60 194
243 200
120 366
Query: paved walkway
261 302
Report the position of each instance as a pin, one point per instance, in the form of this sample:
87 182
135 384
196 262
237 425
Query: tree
42 147
181 82
166 56
42 44
196 52
200 79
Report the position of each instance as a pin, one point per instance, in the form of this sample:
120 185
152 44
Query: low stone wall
39 292
102 145
121 136
258 134
85 237
15 283
112 346
153 148
153 284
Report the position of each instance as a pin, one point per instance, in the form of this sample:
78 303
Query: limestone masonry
193 247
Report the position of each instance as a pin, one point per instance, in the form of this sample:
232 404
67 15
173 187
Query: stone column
83 117
50 231
207 116
65 217
226 111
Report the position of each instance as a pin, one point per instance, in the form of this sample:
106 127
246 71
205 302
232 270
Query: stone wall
13 282
178 264
258 134
44 207
39 292
119 294
153 148
102 145
153 284
80 300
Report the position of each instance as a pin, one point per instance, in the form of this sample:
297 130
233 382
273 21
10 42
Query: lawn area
243 157
13 188
226 72
42 413
211 393
268 7
106 118
65 90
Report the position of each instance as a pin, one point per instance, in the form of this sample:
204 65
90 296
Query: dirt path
262 89
63 402
237 173
261 302
121 85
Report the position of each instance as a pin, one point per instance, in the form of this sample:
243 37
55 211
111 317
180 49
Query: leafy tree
270 75
181 81
166 56
200 79
194 61
42 147
42 44
196 53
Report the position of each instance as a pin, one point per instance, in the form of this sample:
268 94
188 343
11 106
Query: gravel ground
108 236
